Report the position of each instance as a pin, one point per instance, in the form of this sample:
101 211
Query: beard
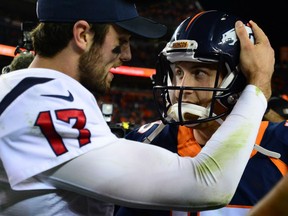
92 72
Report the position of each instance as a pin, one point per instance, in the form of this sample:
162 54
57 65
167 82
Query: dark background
271 16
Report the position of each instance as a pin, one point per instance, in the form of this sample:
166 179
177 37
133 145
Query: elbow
220 198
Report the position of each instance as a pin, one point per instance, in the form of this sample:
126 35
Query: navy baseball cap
120 12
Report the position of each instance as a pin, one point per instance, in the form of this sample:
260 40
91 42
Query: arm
136 175
273 116
275 202
143 176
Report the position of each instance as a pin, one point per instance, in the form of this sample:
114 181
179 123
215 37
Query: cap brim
144 27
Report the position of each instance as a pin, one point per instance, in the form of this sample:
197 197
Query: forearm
273 116
145 176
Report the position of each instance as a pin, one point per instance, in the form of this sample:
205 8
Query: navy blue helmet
208 37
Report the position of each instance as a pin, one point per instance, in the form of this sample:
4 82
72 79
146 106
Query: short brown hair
50 38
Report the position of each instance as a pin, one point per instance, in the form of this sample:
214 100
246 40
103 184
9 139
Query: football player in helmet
205 49
198 81
59 157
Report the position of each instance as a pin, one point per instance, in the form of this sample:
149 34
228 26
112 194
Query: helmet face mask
207 38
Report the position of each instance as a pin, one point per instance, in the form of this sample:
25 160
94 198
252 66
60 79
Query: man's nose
125 54
187 81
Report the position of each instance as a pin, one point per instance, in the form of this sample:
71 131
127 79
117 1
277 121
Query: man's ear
82 35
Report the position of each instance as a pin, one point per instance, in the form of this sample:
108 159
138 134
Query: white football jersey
56 146
45 122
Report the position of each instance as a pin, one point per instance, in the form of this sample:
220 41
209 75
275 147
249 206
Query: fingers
260 36
256 58
241 33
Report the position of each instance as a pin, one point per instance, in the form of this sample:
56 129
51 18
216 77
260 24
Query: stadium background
131 96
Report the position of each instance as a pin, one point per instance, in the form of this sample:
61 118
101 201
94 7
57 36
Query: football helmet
208 37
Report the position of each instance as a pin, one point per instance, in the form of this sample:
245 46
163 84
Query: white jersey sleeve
145 176
49 142
46 121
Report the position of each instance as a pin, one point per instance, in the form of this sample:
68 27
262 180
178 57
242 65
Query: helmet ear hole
232 99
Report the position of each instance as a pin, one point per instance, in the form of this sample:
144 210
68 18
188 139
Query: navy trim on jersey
19 89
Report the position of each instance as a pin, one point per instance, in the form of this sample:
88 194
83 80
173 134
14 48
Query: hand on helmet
256 60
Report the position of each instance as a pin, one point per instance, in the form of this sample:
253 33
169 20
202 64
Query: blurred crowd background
131 96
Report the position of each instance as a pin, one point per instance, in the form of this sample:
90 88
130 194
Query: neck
204 131
59 62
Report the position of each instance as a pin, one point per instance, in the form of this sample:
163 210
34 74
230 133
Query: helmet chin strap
188 109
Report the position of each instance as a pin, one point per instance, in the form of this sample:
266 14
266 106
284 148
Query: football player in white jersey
58 155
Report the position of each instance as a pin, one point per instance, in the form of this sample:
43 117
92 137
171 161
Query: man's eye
200 73
117 50
178 72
